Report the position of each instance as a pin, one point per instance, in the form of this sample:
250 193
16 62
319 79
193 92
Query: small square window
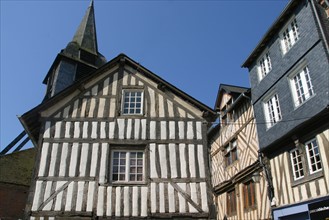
272 111
289 36
301 85
132 102
127 166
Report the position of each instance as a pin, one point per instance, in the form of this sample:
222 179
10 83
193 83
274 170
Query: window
132 102
296 163
264 66
289 36
313 156
300 160
231 202
302 86
249 195
127 166
272 111
231 153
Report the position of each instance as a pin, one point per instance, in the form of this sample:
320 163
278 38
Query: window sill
260 79
232 164
300 105
308 178
232 214
250 208
141 183
267 129
131 115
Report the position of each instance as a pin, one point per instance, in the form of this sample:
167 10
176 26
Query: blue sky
194 45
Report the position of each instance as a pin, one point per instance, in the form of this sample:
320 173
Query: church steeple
79 58
85 36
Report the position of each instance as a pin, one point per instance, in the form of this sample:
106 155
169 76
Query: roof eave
268 35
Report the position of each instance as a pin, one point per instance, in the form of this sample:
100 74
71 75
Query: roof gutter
246 63
243 95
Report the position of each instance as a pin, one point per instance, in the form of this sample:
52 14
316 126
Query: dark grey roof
231 89
85 35
276 26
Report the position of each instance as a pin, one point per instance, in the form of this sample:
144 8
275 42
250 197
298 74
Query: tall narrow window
297 164
313 156
132 102
302 86
272 111
265 66
231 202
249 195
127 166
231 153
289 36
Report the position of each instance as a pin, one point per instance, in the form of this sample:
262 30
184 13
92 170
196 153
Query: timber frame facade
82 131
116 141
237 176
289 75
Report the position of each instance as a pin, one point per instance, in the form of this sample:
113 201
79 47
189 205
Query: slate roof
231 89
274 29
85 35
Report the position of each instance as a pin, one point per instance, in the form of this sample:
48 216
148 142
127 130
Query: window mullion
127 166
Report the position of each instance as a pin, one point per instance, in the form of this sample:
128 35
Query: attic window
132 102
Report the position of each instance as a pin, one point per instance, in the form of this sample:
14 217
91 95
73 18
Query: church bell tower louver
79 58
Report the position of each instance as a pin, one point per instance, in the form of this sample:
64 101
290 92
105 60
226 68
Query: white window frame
134 108
289 35
264 65
272 110
301 85
297 164
316 156
127 166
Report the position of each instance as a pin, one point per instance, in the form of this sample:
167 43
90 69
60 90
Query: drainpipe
268 176
320 25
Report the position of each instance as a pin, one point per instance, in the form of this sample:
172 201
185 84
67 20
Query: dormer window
289 36
264 66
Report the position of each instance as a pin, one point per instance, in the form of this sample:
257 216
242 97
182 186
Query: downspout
268 176
321 29
320 26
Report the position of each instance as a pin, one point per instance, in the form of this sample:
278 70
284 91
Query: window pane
132 102
297 166
313 156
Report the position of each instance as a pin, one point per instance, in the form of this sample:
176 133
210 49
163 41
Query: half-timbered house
119 142
289 75
237 176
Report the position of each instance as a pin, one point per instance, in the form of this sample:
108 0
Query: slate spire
85 35
79 58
